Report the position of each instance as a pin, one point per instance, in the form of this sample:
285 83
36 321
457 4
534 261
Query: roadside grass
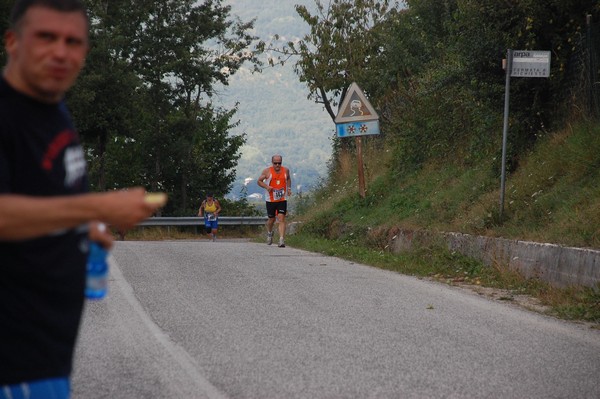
553 197
439 264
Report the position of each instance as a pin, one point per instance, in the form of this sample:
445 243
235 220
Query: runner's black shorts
274 208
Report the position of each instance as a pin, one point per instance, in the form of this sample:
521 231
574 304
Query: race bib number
210 217
278 194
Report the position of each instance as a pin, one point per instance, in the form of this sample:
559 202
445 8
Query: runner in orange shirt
277 182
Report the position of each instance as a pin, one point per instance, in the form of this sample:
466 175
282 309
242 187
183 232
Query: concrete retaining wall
560 266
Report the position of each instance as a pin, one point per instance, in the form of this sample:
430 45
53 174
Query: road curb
558 265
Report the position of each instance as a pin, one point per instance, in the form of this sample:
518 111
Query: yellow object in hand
156 198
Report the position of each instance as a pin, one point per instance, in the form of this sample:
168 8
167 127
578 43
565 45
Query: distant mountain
273 109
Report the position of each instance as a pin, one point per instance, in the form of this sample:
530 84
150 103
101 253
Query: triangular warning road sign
355 107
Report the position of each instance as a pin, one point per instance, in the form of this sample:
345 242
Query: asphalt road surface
235 319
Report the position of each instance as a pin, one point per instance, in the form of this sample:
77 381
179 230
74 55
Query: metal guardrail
198 221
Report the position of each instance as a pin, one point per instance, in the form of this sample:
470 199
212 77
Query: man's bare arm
24 217
261 180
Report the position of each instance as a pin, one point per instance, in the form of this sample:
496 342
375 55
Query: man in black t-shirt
47 216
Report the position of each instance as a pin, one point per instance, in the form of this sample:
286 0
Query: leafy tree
108 107
142 103
181 49
109 101
449 92
210 160
340 49
484 29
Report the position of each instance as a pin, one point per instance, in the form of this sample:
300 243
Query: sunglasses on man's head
276 163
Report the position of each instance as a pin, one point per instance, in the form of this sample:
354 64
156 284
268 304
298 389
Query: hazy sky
273 109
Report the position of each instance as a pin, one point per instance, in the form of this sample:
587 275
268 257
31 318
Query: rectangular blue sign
352 129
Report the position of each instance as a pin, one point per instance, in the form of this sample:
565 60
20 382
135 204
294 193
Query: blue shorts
211 224
52 388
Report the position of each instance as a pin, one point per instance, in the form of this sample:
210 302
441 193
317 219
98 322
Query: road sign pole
509 57
523 64
361 168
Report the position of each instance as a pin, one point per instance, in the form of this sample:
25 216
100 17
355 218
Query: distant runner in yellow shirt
209 210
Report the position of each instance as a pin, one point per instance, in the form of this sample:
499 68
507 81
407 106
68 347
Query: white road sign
530 64
355 107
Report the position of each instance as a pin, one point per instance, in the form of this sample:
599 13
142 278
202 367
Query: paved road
234 319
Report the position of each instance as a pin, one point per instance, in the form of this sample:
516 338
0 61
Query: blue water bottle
97 272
